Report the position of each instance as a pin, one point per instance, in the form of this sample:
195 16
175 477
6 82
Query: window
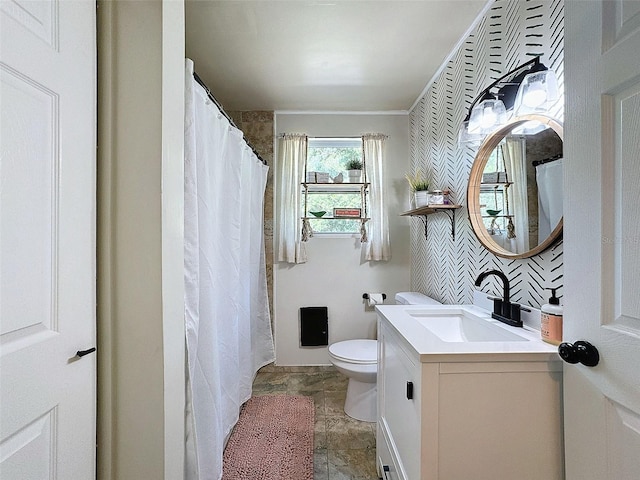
330 155
494 197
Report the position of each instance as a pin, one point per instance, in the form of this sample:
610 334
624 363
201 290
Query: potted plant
354 170
419 188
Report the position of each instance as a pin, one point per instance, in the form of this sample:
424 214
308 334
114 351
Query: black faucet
503 309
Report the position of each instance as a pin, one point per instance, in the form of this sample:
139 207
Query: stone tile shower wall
257 127
511 33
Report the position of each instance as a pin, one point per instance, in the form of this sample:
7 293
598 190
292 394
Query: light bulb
487 115
535 95
488 118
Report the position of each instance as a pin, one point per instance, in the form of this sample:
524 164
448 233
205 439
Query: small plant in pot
419 188
354 170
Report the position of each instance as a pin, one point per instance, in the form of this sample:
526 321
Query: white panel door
602 237
47 239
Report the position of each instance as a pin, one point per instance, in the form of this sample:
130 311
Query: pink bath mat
272 440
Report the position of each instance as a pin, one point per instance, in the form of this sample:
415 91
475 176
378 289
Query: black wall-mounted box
314 326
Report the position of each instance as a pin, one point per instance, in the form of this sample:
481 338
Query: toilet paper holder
366 296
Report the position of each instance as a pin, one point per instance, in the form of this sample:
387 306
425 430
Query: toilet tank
414 298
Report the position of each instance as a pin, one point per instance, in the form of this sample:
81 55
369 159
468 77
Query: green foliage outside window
332 160
493 198
327 202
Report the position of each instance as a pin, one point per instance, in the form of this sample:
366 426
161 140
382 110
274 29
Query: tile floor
344 448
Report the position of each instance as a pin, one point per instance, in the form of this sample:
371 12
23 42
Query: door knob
580 351
82 353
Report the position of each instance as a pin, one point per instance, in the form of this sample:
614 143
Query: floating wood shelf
423 213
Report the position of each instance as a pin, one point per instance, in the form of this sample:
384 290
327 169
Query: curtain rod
536 163
350 137
282 135
226 115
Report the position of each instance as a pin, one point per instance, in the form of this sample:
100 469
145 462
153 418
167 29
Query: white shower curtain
549 179
226 307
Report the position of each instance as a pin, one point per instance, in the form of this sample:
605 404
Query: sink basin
464 326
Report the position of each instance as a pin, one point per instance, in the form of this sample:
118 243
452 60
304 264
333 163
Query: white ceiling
323 55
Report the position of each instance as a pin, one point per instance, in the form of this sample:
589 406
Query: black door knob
580 351
82 353
409 390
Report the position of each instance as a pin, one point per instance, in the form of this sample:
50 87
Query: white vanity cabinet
451 416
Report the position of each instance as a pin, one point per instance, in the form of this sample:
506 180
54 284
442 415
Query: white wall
140 221
334 275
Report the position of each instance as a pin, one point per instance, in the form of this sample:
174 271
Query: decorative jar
436 197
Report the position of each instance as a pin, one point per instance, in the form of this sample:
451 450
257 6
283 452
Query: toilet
358 360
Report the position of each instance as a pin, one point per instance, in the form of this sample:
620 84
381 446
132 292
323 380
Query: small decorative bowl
318 214
493 213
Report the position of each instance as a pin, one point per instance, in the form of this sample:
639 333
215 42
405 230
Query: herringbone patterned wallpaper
511 33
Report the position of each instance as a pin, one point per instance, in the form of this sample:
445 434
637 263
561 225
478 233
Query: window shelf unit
496 184
336 218
424 212
361 188
334 187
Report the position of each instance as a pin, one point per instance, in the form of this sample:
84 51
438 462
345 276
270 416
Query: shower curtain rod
227 116
535 163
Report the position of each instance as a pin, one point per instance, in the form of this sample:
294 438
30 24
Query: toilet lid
355 351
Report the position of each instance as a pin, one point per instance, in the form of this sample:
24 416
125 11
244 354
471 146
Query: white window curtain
377 247
292 156
514 161
227 319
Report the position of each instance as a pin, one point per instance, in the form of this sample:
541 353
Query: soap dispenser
551 320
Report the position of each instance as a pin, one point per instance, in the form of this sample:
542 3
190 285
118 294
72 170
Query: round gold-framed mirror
515 193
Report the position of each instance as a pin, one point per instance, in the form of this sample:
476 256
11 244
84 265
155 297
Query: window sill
335 235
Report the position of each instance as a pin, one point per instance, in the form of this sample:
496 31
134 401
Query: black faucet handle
507 312
511 311
497 305
514 313
514 322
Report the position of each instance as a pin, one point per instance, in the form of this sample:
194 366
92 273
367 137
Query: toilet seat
362 352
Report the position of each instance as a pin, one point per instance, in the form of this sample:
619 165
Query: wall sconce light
466 137
529 88
487 115
537 91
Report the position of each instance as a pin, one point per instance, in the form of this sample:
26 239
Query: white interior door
47 239
602 237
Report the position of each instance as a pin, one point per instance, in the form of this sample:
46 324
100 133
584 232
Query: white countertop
430 348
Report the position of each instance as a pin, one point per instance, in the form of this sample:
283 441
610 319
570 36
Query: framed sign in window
347 212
